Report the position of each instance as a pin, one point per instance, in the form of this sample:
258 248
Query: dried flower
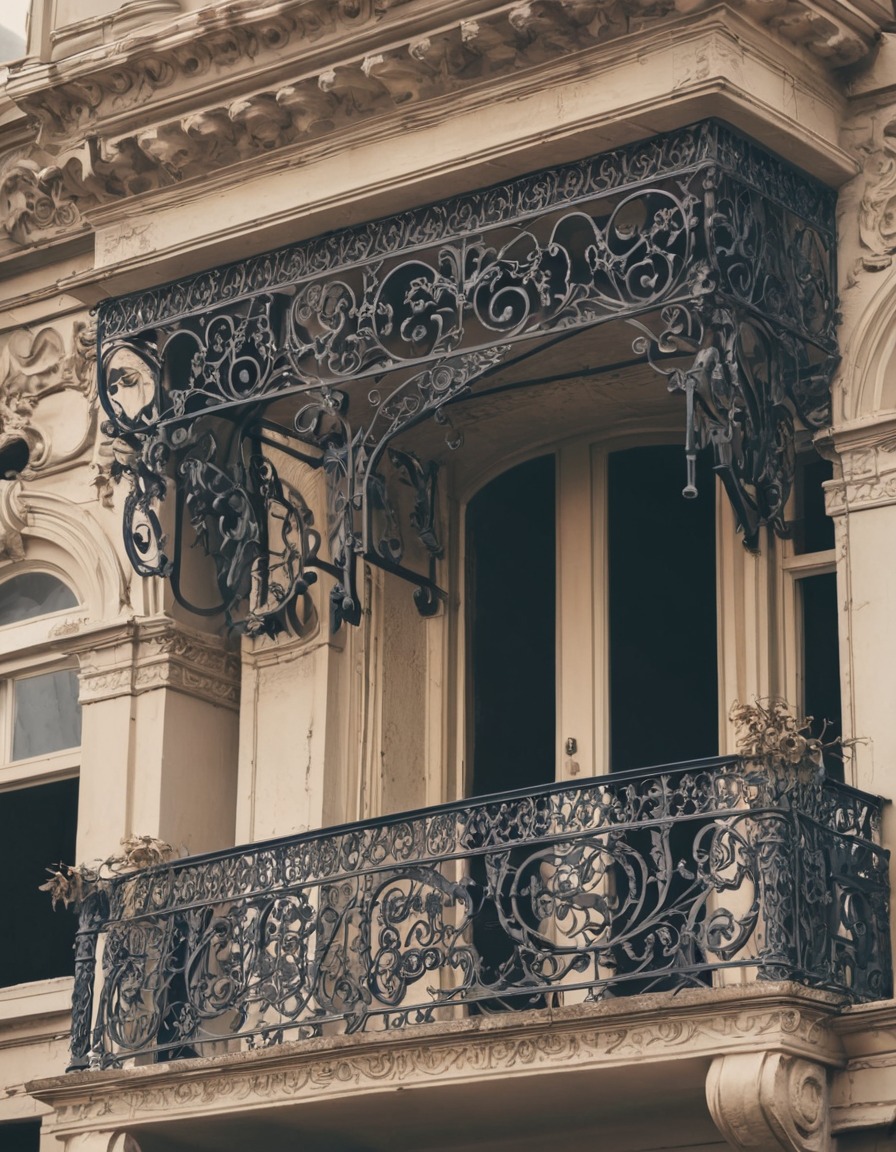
72 883
769 732
68 883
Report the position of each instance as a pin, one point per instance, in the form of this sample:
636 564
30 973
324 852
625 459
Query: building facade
419 419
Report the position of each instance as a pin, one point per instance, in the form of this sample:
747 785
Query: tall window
809 565
40 736
642 622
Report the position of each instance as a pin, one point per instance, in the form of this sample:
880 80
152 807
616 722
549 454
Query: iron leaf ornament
717 254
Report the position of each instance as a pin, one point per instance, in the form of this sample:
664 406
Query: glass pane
13 20
47 714
511 530
33 594
664 686
37 829
821 663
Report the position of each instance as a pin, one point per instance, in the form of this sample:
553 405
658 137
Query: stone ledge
697 1024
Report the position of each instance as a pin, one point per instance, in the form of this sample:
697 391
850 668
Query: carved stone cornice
172 107
694 1024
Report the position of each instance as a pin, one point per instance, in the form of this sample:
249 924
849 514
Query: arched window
33 594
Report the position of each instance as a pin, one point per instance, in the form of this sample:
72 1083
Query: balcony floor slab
494 1075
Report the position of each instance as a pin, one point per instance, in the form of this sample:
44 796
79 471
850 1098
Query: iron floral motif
717 253
619 885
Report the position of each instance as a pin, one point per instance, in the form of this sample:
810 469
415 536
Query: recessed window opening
37 828
812 566
20 1136
662 609
511 590
812 528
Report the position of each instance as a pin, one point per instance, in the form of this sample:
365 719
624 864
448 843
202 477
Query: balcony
692 875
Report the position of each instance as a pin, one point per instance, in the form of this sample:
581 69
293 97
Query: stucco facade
145 147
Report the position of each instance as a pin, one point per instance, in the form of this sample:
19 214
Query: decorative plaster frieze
322 89
200 667
692 1024
868 478
872 139
158 654
38 200
48 393
770 1102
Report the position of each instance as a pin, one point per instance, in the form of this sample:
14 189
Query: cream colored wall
202 743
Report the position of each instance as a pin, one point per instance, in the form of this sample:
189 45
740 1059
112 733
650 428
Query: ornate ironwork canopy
718 255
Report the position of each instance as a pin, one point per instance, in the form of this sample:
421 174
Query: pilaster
160 705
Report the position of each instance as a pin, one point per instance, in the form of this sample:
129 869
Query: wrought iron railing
634 882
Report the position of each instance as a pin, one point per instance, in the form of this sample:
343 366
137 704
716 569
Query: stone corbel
402 75
36 203
770 1102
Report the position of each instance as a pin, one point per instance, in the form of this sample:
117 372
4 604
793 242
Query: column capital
159 653
866 454
770 1102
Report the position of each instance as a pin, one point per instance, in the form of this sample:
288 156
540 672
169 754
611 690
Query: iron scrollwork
624 884
719 254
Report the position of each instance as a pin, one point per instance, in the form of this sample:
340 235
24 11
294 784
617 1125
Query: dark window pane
663 664
21 1136
813 529
37 829
821 662
33 594
47 714
511 542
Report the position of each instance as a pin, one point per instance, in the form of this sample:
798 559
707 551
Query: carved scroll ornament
335 88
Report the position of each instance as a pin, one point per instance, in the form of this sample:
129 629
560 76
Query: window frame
794 567
583 623
33 647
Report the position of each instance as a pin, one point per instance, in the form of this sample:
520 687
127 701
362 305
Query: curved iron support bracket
720 256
